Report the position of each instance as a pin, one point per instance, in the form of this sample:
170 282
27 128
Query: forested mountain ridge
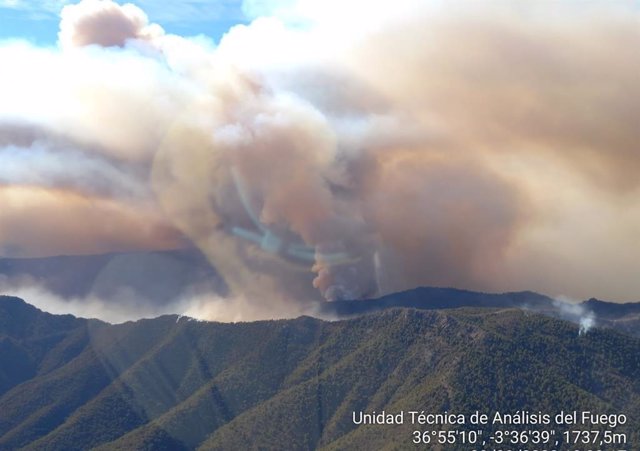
176 383
624 317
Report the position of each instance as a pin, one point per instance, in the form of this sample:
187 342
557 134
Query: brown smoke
104 23
37 222
472 145
510 85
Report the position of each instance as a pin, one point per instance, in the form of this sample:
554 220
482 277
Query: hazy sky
352 147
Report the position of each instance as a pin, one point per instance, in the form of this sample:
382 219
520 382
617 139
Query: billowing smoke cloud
126 305
104 23
38 221
120 286
484 146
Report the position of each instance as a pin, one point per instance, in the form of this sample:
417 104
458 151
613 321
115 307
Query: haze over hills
175 383
155 282
160 275
150 281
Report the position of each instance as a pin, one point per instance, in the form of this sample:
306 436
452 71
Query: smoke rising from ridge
483 146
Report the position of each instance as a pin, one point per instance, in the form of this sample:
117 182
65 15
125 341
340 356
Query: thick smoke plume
342 149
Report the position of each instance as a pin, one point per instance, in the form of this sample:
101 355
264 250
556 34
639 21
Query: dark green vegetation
175 384
622 317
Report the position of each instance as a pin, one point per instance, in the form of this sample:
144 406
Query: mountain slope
622 317
173 383
35 342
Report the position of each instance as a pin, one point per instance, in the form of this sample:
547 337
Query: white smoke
573 311
355 147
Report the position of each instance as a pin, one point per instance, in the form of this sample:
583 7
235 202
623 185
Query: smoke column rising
352 148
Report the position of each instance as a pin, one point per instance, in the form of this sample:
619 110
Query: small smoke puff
586 323
105 23
571 310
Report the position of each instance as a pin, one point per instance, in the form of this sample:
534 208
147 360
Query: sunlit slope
173 383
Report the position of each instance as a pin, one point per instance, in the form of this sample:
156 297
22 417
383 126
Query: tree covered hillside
173 383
